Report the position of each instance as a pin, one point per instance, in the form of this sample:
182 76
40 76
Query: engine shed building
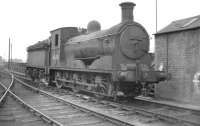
178 49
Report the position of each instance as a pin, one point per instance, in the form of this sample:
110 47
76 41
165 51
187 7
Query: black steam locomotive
112 62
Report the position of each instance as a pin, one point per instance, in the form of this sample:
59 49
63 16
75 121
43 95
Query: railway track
2 91
140 112
13 114
14 111
5 78
150 113
65 112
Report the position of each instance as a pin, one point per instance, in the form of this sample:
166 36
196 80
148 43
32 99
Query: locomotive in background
112 62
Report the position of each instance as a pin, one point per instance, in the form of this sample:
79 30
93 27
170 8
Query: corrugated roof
39 45
98 34
181 25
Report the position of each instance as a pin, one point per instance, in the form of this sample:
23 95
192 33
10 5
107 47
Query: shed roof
181 25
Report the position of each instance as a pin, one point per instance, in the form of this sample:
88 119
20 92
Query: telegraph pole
156 17
9 55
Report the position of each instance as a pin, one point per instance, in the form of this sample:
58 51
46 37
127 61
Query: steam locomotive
113 62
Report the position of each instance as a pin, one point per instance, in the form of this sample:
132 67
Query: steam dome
93 26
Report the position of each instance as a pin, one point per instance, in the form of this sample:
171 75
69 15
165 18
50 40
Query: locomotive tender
108 62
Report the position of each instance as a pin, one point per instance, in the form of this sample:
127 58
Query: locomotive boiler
113 62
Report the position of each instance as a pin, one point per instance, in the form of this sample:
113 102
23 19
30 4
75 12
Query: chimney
127 11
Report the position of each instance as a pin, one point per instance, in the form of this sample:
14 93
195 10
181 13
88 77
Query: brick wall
180 54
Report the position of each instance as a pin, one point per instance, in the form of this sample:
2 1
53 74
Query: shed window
56 40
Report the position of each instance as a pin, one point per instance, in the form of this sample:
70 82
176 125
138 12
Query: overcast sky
29 21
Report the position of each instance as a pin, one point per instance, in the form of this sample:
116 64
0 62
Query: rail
161 116
3 98
27 106
100 115
35 111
